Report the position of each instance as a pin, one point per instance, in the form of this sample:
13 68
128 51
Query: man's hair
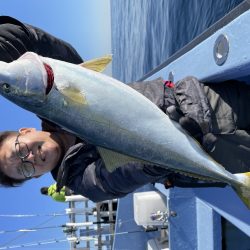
4 179
44 190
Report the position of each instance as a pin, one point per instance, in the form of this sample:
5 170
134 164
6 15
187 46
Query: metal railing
86 223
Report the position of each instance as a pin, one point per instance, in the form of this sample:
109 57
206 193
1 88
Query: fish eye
6 87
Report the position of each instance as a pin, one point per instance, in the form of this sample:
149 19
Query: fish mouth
50 78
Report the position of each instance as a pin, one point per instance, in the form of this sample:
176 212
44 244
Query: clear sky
86 25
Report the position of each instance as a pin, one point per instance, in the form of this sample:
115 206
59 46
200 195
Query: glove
207 141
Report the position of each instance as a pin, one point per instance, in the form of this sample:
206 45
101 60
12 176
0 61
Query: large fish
123 124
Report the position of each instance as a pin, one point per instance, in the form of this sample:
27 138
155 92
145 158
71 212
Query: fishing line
52 241
34 229
31 215
41 215
39 243
27 230
81 238
24 233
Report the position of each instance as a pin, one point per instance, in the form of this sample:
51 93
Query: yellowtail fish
123 124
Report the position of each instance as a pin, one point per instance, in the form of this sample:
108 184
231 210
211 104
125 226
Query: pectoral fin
98 64
113 160
74 95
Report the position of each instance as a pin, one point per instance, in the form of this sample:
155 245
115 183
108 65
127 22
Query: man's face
44 153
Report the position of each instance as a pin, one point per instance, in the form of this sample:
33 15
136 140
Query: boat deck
206 218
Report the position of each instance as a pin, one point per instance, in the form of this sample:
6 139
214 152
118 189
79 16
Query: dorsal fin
98 64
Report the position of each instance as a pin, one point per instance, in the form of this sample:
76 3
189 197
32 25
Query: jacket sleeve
48 45
83 171
16 38
98 184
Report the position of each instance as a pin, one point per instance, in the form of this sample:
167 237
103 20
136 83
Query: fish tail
243 189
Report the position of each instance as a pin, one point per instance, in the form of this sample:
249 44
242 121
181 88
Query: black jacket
83 171
16 38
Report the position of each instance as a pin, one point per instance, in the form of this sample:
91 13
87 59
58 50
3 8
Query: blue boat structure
193 218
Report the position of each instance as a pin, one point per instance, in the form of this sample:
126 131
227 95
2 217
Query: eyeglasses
22 151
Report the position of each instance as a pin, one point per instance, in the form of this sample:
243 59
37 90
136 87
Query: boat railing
90 222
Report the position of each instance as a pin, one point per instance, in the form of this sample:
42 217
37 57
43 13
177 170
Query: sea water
146 32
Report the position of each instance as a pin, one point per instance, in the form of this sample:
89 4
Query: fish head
24 81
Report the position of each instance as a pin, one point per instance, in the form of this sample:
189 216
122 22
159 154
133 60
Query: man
52 192
76 164
30 153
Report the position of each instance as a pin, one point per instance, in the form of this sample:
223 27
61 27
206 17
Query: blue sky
86 25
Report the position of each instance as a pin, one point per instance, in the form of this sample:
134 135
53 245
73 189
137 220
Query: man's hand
207 141
189 107
187 123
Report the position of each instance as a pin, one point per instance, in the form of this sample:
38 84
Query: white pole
75 198
81 238
104 213
77 211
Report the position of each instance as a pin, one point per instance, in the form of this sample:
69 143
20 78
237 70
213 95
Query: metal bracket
162 216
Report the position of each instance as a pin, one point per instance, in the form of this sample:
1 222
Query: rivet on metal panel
221 49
